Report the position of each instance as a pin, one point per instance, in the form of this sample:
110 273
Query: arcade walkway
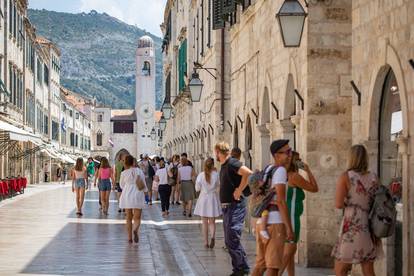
41 235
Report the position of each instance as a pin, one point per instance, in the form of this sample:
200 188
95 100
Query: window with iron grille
46 75
55 130
46 125
72 139
99 138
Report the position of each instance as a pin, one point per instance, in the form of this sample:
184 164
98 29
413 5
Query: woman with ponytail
208 203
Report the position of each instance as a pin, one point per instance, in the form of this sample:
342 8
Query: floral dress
354 244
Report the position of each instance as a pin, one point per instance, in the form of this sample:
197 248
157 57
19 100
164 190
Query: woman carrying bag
185 177
132 182
164 189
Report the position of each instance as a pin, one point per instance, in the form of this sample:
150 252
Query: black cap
277 145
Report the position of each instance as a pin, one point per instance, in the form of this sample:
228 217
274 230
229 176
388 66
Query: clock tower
145 95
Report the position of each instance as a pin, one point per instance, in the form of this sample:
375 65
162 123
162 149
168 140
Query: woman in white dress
208 203
132 182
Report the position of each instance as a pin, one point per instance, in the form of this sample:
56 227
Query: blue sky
146 14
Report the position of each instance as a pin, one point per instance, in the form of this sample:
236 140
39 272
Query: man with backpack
149 173
269 254
233 182
173 179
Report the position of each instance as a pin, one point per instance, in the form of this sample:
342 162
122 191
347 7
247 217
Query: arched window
99 138
146 69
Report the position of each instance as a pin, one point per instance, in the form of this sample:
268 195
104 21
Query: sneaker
178 203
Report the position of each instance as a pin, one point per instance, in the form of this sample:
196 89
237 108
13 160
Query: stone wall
383 40
321 132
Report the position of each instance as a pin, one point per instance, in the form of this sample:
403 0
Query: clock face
146 111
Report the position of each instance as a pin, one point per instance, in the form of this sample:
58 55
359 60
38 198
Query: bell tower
145 95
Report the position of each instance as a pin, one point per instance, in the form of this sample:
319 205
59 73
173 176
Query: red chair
14 185
24 181
20 184
3 189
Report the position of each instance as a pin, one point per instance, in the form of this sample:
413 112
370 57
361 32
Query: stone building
303 94
129 130
31 106
189 44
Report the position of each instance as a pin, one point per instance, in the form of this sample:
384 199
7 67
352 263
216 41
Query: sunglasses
287 152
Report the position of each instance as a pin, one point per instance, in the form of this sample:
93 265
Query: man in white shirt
269 255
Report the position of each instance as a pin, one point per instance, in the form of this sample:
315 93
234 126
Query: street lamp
196 87
153 134
291 17
166 110
162 123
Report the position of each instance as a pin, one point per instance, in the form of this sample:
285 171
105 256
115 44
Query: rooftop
123 115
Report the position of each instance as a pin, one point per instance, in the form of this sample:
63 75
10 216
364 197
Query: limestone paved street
41 235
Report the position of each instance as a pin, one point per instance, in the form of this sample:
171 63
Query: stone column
287 129
408 207
264 137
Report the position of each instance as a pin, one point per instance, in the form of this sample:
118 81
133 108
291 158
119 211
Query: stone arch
236 135
289 99
288 110
248 143
382 150
391 61
265 114
264 131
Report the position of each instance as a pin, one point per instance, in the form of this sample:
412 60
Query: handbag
140 184
172 181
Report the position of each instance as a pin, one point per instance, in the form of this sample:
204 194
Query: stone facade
31 100
196 127
264 83
382 45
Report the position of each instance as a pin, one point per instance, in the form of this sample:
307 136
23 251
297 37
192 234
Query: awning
18 134
54 153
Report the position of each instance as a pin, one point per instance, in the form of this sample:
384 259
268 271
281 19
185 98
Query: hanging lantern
196 87
291 17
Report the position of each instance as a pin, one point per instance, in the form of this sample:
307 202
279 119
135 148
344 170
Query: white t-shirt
162 174
185 173
279 178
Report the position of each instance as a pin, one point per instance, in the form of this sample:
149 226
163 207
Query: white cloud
146 14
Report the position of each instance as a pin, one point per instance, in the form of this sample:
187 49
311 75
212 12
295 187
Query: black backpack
151 171
173 180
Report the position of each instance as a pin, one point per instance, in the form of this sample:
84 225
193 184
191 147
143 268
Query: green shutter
182 65
218 14
229 6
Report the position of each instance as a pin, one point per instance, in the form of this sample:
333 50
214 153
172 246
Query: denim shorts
104 185
80 183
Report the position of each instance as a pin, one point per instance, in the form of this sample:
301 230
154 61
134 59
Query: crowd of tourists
275 196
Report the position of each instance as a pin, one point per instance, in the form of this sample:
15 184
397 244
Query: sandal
206 246
136 238
129 241
184 213
212 243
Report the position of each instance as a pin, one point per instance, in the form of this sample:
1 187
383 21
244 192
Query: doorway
389 164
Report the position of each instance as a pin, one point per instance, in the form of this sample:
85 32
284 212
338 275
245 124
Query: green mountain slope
98 54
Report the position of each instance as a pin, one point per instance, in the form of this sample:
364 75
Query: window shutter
218 14
229 6
168 89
